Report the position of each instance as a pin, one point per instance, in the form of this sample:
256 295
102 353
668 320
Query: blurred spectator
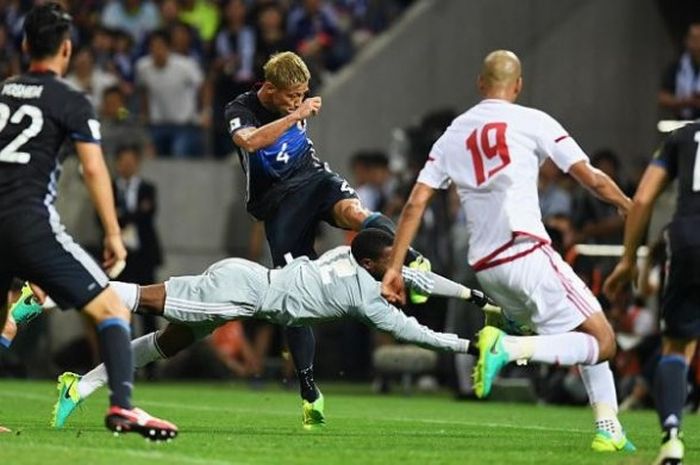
123 58
184 41
314 30
119 128
170 85
231 347
90 79
102 46
554 199
595 220
680 86
202 15
169 13
372 179
137 17
9 58
271 35
232 71
136 201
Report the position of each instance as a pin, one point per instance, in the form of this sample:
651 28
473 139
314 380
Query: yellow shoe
312 413
603 441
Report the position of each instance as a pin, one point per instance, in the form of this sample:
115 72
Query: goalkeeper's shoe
604 441
492 357
312 413
27 307
421 264
672 451
68 398
121 420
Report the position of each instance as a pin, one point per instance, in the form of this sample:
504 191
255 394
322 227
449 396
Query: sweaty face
287 100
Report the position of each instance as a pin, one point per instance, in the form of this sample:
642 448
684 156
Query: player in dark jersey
38 112
291 190
678 158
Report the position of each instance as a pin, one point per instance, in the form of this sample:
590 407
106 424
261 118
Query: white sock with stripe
600 386
145 350
571 348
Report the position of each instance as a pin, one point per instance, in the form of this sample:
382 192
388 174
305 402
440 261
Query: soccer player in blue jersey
678 159
291 190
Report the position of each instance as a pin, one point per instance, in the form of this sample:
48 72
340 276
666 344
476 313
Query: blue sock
115 350
671 390
5 342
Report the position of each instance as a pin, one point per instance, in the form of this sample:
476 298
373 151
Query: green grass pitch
222 424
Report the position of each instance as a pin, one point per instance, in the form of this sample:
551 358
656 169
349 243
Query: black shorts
680 303
35 247
292 228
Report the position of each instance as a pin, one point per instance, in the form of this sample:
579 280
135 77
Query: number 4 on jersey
486 143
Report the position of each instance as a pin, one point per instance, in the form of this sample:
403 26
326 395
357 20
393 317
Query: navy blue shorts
292 228
35 247
680 303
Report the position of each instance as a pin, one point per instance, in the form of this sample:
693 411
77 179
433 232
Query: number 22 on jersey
485 144
10 153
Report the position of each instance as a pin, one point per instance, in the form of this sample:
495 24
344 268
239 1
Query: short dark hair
45 28
128 148
115 89
160 34
370 243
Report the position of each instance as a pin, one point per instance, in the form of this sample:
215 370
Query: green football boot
68 398
312 413
603 441
492 357
421 264
26 308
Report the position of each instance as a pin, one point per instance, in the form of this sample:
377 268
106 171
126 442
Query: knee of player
107 305
607 346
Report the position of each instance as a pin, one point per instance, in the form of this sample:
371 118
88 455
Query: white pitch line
131 452
243 410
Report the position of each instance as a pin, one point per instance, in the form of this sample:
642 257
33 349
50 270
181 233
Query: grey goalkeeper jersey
304 292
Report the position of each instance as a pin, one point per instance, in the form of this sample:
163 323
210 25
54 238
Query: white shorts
228 290
539 290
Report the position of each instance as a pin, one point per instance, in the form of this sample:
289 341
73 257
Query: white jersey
492 153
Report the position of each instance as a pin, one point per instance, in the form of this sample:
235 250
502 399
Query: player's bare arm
409 222
652 184
252 139
99 186
600 185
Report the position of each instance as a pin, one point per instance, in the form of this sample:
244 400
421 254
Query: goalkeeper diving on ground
343 282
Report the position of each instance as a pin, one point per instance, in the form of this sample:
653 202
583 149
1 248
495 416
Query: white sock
571 348
129 293
600 386
144 349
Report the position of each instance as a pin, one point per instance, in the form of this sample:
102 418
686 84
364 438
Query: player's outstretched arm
653 182
252 139
99 186
380 314
600 185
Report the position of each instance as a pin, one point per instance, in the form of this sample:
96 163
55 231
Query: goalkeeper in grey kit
343 282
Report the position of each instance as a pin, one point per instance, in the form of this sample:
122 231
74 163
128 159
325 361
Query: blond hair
286 69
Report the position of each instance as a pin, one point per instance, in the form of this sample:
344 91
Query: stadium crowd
172 65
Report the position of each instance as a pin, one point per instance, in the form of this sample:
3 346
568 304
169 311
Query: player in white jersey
343 282
492 154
